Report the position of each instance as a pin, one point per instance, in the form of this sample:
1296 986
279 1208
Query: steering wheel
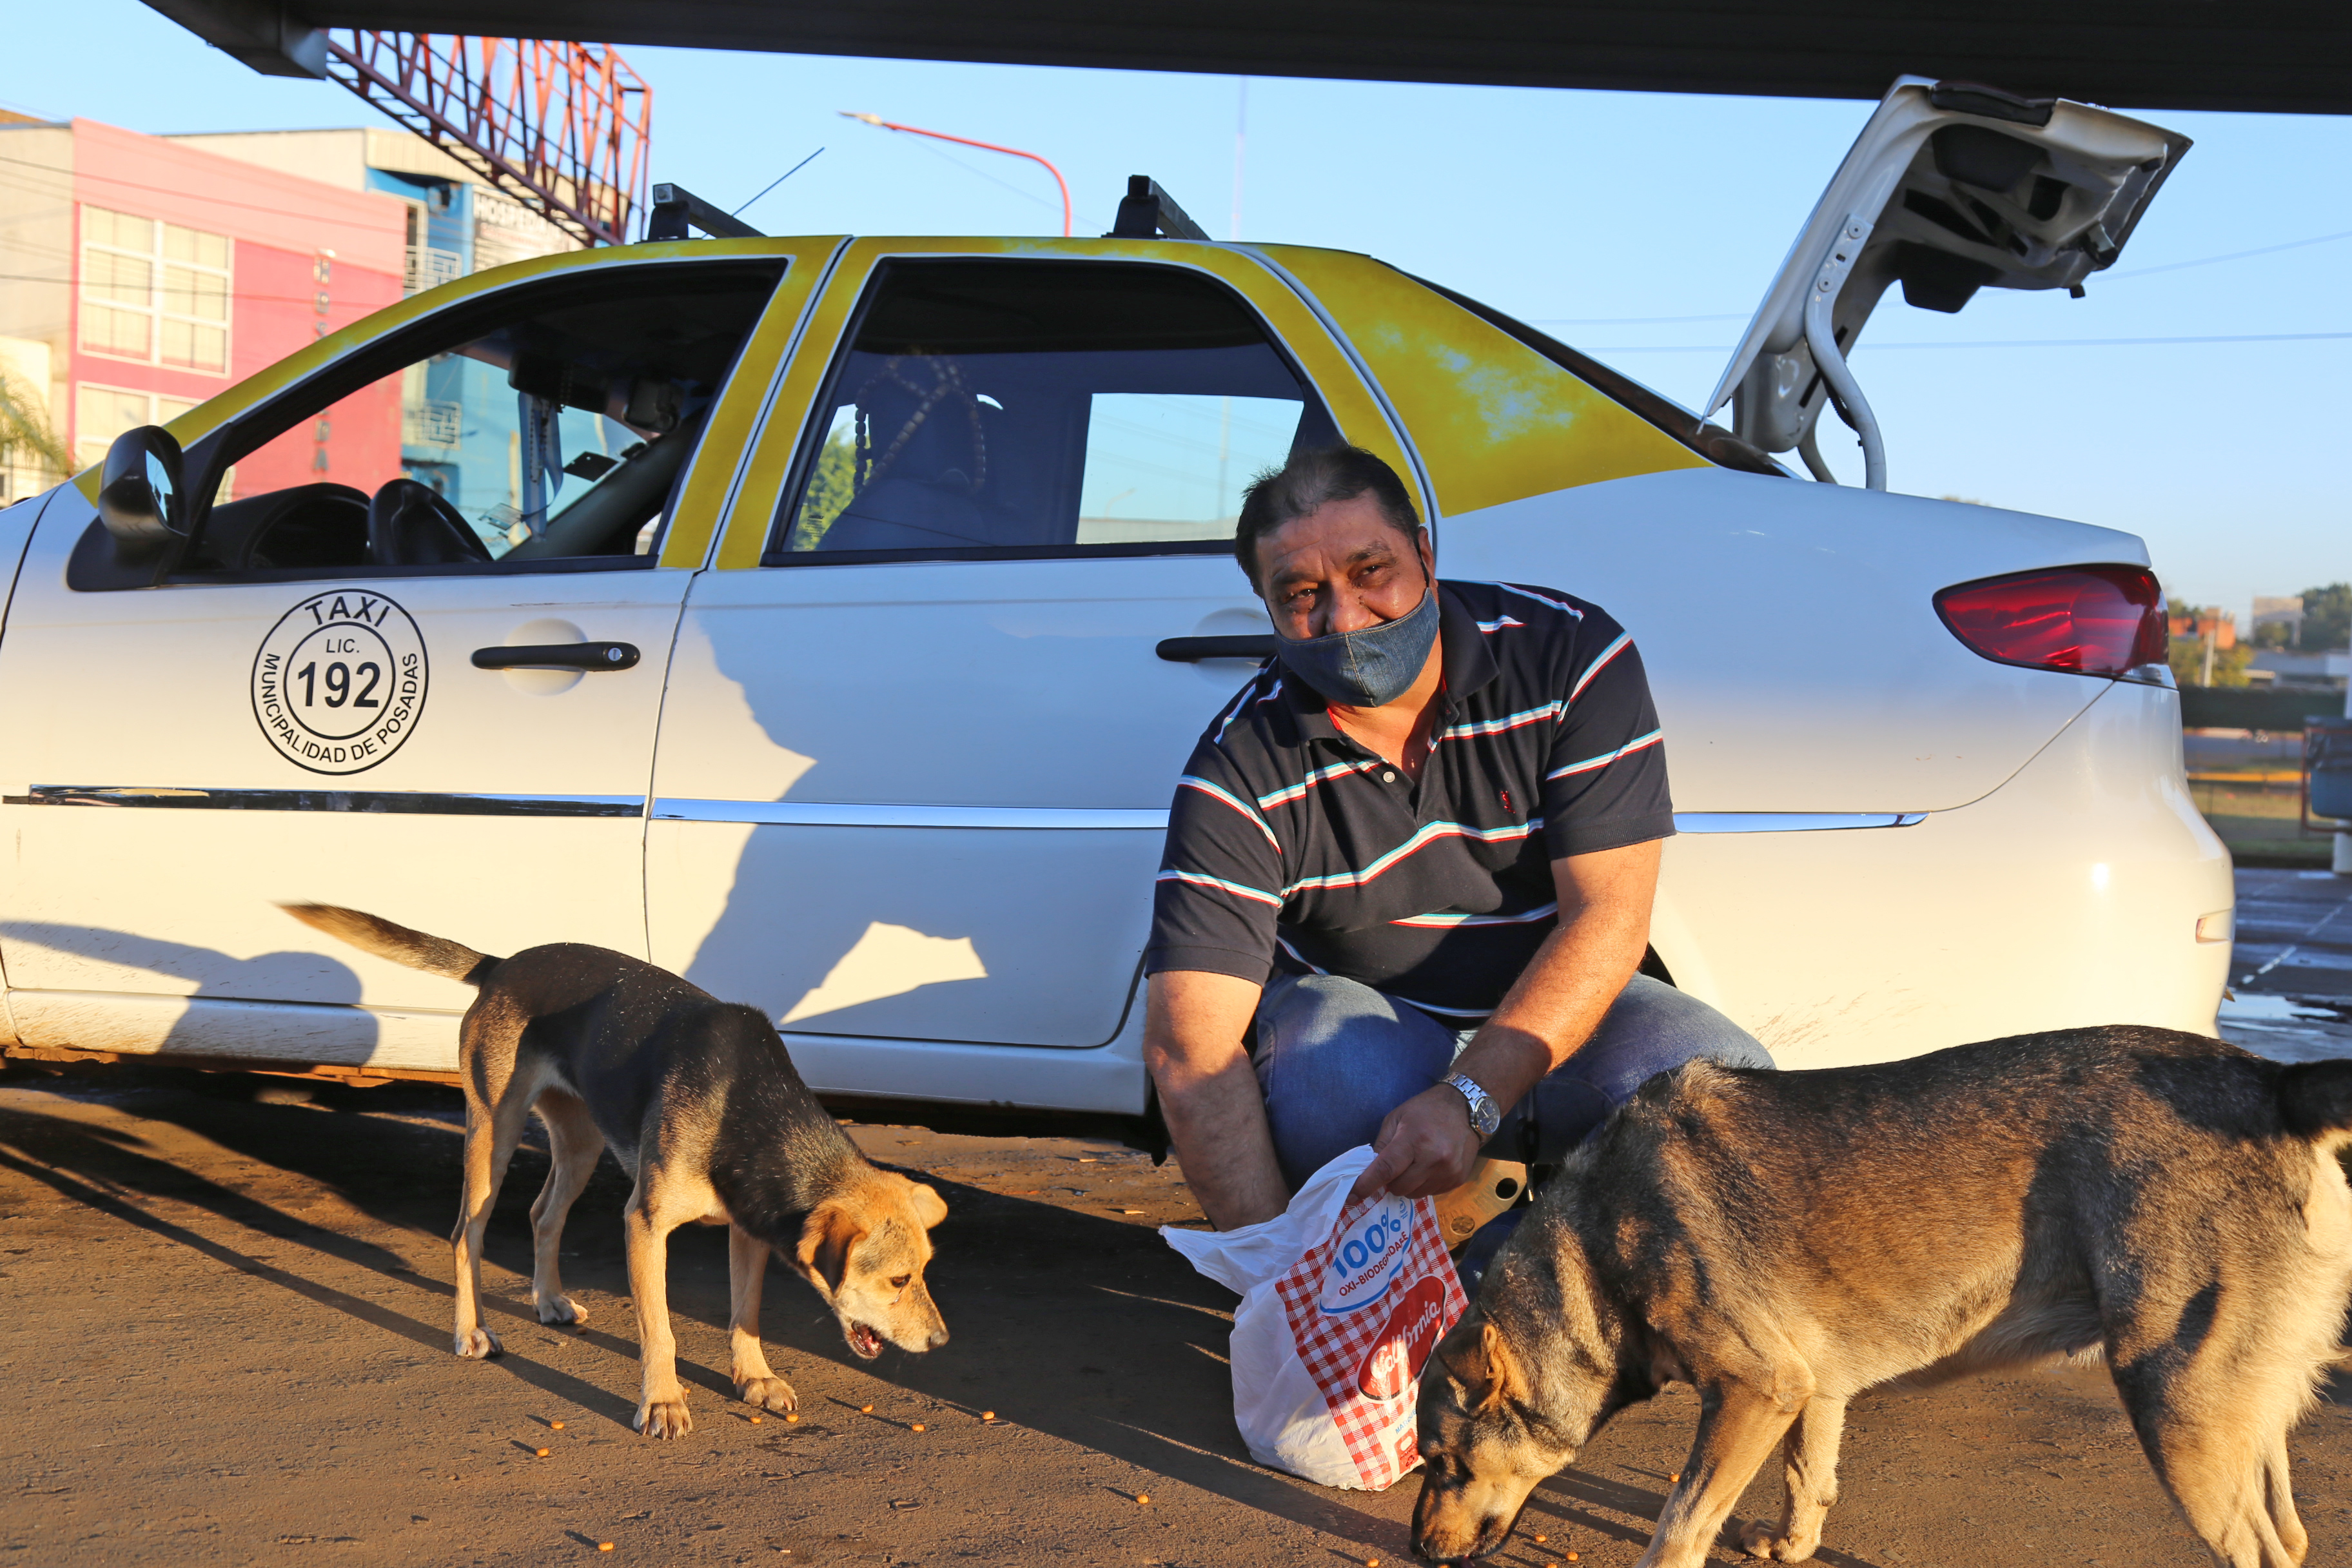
412 524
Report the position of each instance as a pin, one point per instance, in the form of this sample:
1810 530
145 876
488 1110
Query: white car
827 619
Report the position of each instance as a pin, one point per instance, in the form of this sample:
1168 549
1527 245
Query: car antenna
675 208
1147 212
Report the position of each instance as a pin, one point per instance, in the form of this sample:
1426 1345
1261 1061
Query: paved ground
2290 973
227 1331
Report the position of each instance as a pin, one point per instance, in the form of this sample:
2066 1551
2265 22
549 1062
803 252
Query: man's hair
1313 478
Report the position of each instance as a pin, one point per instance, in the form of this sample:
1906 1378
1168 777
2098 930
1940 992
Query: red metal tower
561 127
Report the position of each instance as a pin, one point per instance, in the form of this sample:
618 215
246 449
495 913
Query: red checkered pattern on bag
1367 1359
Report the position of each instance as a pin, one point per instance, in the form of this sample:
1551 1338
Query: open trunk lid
1951 187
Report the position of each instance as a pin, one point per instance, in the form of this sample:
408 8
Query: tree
2186 656
2326 617
832 482
26 439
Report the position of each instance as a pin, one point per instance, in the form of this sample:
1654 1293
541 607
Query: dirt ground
227 1329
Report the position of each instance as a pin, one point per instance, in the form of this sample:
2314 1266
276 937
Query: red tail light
2088 620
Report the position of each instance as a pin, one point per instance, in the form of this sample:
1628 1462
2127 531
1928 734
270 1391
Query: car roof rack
676 208
1147 212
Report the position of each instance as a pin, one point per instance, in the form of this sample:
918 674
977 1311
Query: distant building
142 274
2195 625
458 416
138 276
2286 612
2287 671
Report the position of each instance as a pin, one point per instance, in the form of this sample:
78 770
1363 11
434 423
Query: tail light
2087 620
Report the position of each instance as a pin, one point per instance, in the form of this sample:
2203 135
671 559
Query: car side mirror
139 497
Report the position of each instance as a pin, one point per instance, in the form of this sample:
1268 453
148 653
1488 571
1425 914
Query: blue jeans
1334 1056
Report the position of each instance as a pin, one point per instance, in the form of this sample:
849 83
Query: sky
1641 227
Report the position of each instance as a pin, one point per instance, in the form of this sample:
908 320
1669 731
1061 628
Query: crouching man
1417 852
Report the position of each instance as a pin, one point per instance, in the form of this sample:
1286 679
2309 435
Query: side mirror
139 495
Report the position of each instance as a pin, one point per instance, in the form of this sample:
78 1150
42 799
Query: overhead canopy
2267 55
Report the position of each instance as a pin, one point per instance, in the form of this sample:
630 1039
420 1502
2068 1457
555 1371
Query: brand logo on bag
1366 1257
1403 1347
339 682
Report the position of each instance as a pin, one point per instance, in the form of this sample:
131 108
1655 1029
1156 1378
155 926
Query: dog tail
2316 1099
432 954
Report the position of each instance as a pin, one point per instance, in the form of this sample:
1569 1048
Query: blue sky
1597 213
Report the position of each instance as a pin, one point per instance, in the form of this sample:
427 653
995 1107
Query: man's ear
826 1237
929 1208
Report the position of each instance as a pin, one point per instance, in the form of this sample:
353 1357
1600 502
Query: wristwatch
1485 1114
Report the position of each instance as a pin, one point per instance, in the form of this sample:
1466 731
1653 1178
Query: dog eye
899 1282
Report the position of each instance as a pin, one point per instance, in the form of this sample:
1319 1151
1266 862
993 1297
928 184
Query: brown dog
1785 1241
701 1105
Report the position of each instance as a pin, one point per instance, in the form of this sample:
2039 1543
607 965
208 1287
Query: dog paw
477 1344
1760 1539
769 1394
663 1417
561 1310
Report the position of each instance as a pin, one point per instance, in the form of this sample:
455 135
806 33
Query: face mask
1365 669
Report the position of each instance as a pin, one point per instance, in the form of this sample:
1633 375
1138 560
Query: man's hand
1426 1146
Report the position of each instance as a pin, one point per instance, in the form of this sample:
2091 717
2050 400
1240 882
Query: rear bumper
2069 896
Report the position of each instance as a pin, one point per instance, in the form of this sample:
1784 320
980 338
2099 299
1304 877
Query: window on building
154 291
102 413
992 407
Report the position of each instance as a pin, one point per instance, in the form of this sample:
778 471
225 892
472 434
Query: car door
314 698
914 773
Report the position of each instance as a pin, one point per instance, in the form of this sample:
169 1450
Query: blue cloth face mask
1371 668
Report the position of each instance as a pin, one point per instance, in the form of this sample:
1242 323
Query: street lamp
983 146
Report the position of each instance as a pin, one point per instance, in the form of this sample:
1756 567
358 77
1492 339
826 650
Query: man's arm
1192 1028
1426 1146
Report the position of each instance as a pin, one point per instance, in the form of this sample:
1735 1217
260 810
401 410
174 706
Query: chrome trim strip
1791 821
395 803
798 814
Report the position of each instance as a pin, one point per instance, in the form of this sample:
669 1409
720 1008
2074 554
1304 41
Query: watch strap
1486 1116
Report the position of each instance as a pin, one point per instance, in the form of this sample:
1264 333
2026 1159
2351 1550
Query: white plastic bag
1342 1304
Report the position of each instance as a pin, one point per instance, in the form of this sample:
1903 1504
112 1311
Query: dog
1784 1241
701 1105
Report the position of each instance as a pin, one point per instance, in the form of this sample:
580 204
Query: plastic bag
1342 1304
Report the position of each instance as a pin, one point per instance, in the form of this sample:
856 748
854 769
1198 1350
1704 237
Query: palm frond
25 435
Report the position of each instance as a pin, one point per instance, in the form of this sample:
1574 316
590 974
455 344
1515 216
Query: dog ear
929 1208
1504 1380
826 1237
1462 1353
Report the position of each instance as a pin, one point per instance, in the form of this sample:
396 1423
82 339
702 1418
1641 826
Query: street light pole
984 146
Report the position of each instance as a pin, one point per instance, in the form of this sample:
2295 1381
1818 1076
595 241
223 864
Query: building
140 275
2282 612
458 416
2196 625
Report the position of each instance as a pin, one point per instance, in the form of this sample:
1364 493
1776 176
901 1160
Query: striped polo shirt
1291 849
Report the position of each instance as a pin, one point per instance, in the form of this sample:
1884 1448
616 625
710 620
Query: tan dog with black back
1786 1241
702 1106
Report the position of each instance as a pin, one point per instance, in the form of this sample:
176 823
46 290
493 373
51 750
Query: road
227 1329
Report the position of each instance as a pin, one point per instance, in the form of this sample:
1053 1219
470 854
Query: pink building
139 277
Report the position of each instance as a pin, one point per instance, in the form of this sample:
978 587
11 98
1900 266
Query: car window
990 408
551 426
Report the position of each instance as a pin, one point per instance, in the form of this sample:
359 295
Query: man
1418 851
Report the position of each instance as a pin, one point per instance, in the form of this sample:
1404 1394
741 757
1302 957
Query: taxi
827 619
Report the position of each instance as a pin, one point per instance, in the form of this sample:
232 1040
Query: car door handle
558 656
1189 650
